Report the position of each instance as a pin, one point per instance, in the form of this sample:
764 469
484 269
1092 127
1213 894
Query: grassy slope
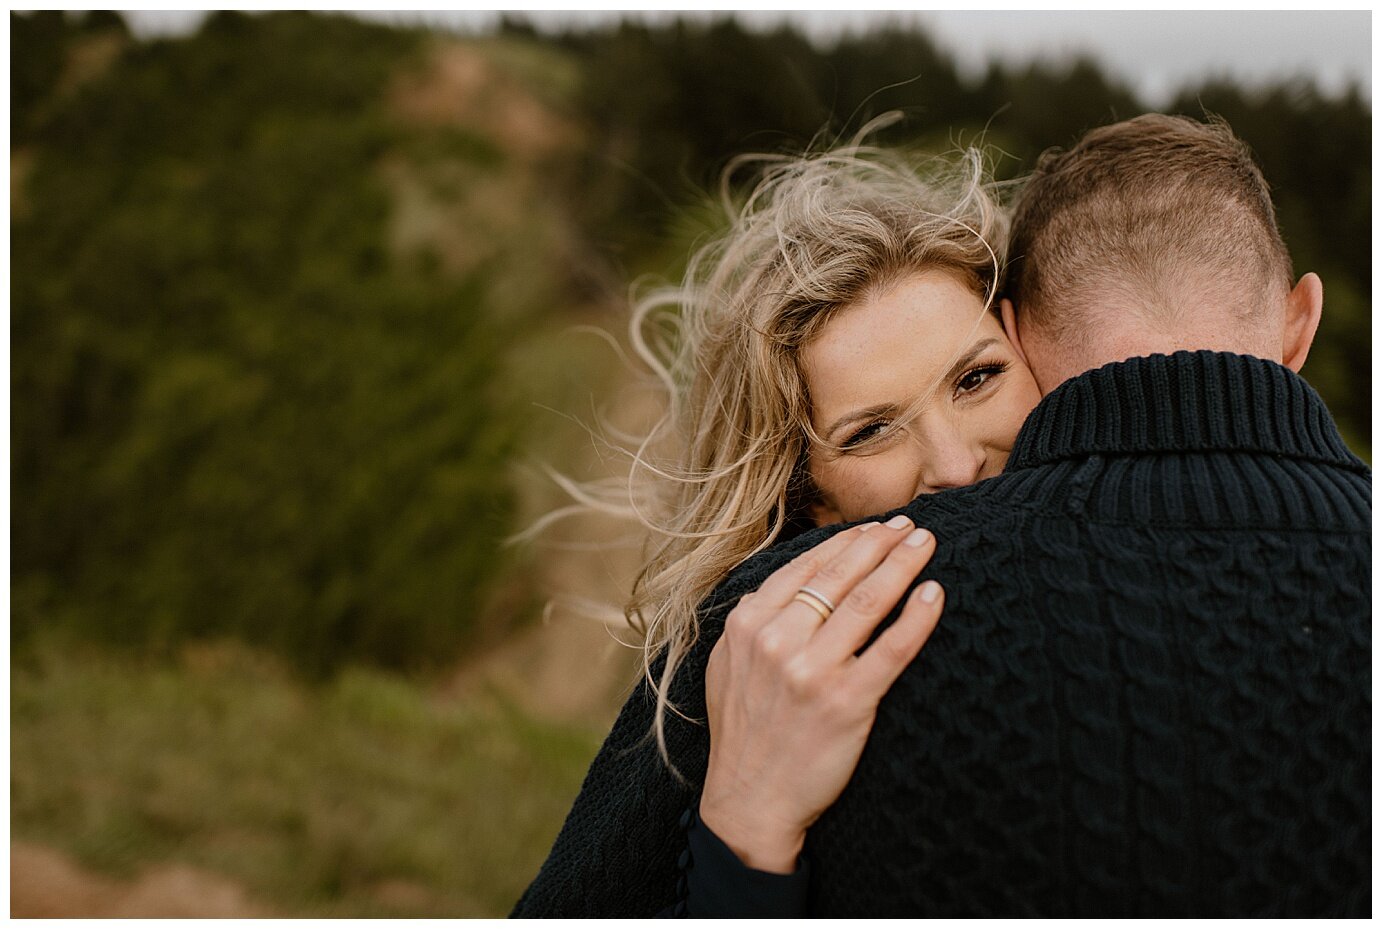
356 798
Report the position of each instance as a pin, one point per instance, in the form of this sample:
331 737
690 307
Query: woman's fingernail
898 521
865 527
930 592
916 538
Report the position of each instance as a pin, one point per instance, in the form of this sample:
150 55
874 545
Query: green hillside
265 308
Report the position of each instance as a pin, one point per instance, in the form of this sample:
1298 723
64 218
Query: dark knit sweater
1149 693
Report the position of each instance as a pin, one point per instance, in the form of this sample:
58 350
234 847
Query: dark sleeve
720 885
616 854
715 884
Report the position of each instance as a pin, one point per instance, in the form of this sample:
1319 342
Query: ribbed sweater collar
1186 402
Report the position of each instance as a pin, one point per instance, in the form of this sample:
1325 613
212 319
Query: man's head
1152 235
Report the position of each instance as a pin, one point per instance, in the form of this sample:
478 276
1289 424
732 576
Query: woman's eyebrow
975 350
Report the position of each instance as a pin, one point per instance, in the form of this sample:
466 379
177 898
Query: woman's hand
790 706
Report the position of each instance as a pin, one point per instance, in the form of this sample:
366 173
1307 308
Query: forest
289 309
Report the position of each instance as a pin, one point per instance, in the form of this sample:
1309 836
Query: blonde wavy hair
722 475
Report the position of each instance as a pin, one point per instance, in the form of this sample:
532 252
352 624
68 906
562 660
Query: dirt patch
462 87
46 884
89 60
579 664
488 197
21 166
568 669
576 665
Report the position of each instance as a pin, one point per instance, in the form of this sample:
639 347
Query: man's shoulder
949 513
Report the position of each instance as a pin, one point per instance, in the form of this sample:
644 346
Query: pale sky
1155 52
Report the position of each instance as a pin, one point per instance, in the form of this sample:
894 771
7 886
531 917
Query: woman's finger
874 597
898 645
757 608
838 577
782 585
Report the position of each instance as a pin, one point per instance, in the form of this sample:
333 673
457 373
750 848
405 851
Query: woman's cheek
879 483
1009 411
1023 397
842 482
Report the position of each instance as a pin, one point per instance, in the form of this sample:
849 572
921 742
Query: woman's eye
872 431
972 380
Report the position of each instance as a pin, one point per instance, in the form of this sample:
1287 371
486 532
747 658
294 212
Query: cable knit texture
1148 696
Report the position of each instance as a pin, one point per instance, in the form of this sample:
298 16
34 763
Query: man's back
1150 692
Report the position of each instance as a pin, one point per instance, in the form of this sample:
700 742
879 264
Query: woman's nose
948 460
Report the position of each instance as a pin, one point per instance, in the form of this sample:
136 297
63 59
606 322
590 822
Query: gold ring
813 592
815 602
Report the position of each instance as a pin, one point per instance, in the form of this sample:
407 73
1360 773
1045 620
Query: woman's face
926 337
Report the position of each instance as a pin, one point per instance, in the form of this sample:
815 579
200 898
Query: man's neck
1052 366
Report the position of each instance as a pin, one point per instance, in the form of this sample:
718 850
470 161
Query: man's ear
1304 304
1009 313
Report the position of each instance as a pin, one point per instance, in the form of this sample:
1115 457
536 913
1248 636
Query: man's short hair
1140 215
